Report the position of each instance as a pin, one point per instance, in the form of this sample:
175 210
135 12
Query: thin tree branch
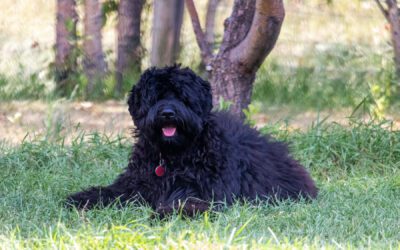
384 12
210 21
206 53
262 36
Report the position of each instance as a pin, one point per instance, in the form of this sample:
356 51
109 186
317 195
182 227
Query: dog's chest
174 181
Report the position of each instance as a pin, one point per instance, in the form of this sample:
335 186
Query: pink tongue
169 131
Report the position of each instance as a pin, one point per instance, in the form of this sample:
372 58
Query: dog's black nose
168 113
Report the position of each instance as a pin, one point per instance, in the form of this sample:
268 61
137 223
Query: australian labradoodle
187 156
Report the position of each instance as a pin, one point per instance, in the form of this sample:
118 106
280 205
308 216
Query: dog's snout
168 113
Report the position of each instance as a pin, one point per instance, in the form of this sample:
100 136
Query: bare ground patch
19 120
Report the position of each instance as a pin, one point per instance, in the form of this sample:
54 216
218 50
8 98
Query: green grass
339 76
22 88
356 168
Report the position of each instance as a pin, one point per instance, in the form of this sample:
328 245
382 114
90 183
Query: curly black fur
212 156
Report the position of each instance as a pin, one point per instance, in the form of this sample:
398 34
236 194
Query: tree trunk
229 83
167 23
393 17
129 53
391 14
65 61
94 62
250 34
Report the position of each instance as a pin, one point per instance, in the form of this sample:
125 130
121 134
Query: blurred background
333 60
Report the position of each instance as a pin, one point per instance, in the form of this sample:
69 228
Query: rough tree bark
94 63
391 14
65 61
250 34
167 23
129 53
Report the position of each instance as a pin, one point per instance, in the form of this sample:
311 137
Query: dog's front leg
91 197
122 190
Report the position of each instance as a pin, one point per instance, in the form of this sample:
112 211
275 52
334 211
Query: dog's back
266 166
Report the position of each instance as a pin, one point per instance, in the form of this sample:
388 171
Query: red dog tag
160 170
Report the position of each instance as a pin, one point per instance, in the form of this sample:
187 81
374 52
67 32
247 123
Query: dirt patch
29 120
19 120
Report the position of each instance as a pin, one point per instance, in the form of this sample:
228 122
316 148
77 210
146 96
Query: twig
200 37
384 12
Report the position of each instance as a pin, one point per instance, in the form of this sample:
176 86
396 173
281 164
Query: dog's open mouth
169 131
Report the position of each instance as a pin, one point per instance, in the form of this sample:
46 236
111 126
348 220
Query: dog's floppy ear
131 100
207 98
200 90
204 92
135 95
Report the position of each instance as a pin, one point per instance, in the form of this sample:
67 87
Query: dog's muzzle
167 115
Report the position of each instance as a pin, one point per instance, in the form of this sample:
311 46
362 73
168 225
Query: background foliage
329 54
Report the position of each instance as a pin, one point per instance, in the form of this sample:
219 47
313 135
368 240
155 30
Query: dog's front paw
188 208
82 200
194 206
163 211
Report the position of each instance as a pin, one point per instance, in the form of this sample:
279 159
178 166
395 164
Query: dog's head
169 106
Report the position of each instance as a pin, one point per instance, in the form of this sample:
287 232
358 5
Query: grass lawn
328 56
356 168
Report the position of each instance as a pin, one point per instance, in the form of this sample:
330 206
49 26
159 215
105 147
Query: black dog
187 156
